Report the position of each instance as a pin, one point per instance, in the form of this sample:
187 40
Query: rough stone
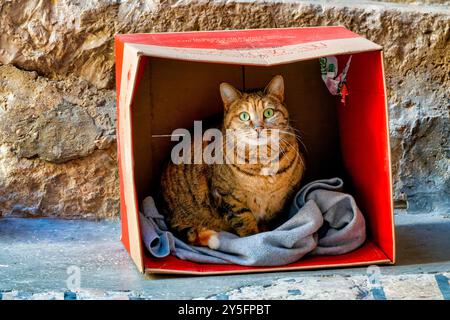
81 188
57 135
65 40
43 125
53 120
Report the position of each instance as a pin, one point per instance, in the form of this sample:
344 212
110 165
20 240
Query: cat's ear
276 87
229 94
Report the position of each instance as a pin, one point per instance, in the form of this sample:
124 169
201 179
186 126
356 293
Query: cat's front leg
243 222
235 213
238 217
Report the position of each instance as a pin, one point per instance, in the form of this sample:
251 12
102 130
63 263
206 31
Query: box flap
263 47
125 146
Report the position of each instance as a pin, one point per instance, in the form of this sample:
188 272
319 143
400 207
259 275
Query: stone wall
57 107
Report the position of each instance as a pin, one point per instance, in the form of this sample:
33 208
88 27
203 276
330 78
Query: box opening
341 140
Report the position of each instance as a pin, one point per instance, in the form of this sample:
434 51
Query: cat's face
254 117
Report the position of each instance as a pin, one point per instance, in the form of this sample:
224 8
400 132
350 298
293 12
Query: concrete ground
69 259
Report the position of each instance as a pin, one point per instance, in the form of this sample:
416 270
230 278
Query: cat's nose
258 129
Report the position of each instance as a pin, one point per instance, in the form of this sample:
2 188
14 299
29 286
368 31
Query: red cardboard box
167 80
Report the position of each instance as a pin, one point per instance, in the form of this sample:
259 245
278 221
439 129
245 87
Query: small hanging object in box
335 83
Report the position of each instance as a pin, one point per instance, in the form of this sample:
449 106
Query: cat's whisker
298 137
291 146
296 151
297 131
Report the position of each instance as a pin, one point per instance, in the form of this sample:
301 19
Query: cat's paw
214 242
209 238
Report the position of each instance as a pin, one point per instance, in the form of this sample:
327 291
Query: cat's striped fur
200 199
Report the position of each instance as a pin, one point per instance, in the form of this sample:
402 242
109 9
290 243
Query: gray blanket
322 220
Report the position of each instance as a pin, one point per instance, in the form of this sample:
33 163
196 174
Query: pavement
77 259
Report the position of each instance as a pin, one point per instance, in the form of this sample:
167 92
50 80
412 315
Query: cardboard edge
131 60
120 35
196 54
270 64
394 249
118 52
153 271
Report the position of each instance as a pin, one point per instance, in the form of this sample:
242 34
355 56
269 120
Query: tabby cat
199 200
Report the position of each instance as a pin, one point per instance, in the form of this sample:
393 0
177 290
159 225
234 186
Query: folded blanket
322 221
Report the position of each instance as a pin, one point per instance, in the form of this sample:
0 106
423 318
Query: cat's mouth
266 137
256 140
260 138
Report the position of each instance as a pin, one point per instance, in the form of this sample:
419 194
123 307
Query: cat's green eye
244 116
268 113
